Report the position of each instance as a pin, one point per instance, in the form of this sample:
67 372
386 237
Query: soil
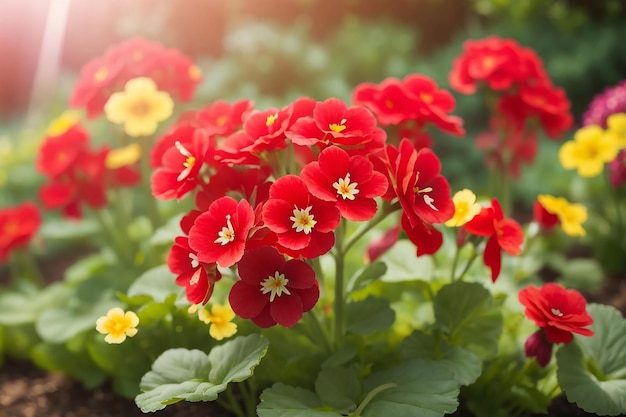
26 391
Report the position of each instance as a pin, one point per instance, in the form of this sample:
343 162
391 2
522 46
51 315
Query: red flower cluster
18 225
169 68
77 174
526 96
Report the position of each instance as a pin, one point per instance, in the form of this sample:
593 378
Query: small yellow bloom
616 128
571 215
220 319
63 123
124 156
140 107
117 324
465 208
589 151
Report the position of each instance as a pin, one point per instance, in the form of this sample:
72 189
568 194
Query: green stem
248 392
117 241
370 395
234 403
340 255
387 209
319 331
468 265
23 266
455 262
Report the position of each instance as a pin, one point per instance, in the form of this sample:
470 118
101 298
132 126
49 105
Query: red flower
351 182
416 98
222 118
197 277
301 221
545 219
381 245
539 347
18 225
334 123
181 171
415 177
499 63
560 312
57 154
272 290
504 234
220 233
423 235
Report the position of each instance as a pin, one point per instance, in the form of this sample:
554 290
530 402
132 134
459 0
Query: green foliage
592 370
192 375
370 315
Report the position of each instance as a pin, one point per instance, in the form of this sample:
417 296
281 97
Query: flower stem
387 209
233 403
340 255
146 174
468 265
370 395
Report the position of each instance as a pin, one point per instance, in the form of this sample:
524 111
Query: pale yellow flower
465 208
124 156
117 325
63 123
220 317
140 107
589 151
571 215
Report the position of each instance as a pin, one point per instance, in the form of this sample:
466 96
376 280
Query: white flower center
227 234
275 285
556 312
195 278
345 188
194 260
190 161
302 220
427 199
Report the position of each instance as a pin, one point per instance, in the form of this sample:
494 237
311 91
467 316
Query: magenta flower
611 100
272 290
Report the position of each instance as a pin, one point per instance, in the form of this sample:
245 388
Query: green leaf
24 307
464 364
86 268
166 234
63 229
152 313
413 388
404 265
281 400
59 324
192 375
159 283
466 312
57 357
365 276
338 388
592 370
582 274
369 315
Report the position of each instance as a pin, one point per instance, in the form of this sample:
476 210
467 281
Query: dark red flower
559 311
301 221
220 233
539 347
18 225
381 245
351 182
272 290
617 169
503 233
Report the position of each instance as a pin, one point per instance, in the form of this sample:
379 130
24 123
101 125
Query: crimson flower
18 225
539 347
220 233
58 153
416 98
181 170
504 234
197 277
423 192
559 311
546 220
272 290
351 182
301 221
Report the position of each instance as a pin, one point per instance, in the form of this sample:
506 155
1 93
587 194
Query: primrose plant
325 249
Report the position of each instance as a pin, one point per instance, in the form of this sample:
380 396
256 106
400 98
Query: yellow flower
122 157
589 151
616 128
140 107
62 123
117 325
465 208
220 319
571 215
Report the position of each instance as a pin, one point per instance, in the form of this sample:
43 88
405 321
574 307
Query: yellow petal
125 156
